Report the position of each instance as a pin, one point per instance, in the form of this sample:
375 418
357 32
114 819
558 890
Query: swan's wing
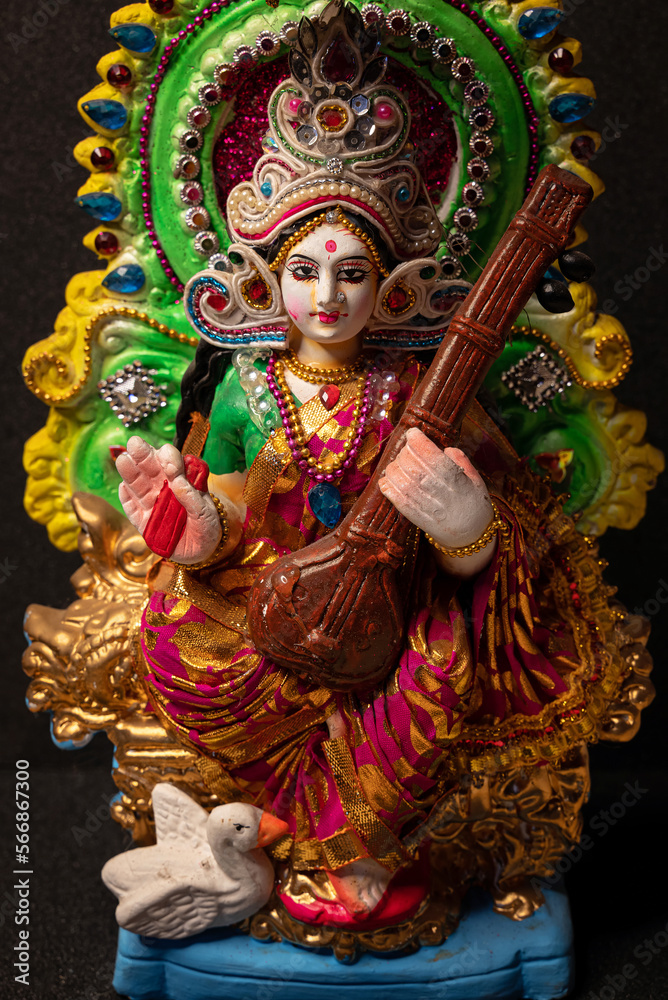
175 912
126 872
178 818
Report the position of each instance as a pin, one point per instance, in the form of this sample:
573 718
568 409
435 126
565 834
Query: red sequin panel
238 146
432 129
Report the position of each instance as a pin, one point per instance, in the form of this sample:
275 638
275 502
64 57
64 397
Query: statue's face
329 263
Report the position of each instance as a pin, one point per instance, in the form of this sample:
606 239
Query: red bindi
330 246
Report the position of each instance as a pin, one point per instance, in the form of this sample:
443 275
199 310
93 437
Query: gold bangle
225 528
470 550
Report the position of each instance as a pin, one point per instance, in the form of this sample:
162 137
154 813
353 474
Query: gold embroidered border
209 601
380 842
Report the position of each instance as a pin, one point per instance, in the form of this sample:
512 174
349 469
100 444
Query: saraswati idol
361 642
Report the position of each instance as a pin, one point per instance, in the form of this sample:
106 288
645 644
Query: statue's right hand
144 470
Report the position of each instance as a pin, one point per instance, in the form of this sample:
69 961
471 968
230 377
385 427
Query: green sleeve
233 440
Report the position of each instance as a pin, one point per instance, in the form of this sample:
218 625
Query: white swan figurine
206 870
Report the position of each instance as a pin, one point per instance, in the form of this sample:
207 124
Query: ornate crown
337 141
337 135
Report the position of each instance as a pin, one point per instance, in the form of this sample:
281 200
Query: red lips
328 317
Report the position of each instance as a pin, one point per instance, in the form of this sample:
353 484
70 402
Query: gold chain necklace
317 376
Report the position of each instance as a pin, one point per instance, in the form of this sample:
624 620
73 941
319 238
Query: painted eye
240 826
352 275
303 271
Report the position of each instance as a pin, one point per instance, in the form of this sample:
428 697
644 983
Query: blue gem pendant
325 502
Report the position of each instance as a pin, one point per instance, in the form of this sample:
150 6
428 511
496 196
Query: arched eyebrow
349 256
302 256
353 256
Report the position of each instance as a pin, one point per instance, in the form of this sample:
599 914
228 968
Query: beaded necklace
317 376
324 497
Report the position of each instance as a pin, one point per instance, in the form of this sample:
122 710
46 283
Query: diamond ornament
334 164
132 393
536 379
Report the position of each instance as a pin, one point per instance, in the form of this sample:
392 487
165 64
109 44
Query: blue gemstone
539 21
325 502
552 274
102 206
567 108
266 189
134 37
403 194
125 279
109 114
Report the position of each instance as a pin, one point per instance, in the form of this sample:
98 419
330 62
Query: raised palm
145 470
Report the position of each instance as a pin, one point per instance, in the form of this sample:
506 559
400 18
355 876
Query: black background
618 889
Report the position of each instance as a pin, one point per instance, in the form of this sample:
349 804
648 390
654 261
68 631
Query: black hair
198 385
206 371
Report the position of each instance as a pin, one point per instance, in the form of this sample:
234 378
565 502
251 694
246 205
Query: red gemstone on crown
161 6
217 302
329 396
333 118
396 298
258 291
200 118
339 64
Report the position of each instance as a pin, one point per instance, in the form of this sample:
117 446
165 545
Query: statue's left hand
441 493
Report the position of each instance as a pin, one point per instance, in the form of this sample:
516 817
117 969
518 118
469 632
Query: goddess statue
331 267
379 797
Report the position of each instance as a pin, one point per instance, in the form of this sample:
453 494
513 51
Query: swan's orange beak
271 828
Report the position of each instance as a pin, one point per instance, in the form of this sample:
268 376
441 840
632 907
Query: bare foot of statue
360 885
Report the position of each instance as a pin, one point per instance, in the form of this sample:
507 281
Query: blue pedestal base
488 956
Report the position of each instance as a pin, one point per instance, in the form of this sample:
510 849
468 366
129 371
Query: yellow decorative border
617 338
